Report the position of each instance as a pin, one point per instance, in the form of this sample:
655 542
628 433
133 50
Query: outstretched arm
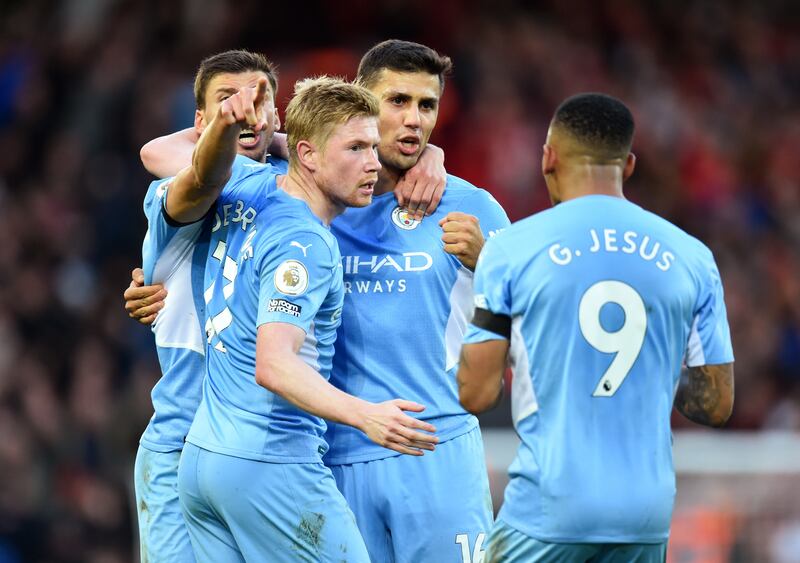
280 369
705 394
195 189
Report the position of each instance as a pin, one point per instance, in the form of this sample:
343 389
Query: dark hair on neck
600 122
231 62
402 56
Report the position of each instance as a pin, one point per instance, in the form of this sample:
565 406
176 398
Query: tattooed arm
705 394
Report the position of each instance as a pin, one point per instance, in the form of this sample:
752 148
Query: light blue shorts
509 545
163 536
416 509
244 510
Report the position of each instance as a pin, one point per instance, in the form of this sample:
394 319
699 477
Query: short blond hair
319 105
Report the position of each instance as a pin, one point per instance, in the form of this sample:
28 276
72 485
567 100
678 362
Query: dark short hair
231 62
598 121
402 56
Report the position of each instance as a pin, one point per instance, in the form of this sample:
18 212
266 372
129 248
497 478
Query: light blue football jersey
175 254
406 308
285 267
606 301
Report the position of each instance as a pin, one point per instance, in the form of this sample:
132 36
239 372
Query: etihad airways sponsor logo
375 286
405 262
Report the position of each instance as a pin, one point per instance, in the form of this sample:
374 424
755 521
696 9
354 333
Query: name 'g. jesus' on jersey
606 301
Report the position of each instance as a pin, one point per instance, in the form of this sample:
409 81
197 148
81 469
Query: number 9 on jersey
625 342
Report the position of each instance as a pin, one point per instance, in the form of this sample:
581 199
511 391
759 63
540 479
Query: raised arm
194 190
165 156
705 394
280 369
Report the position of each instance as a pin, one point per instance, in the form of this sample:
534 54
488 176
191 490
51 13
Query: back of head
319 105
231 62
598 125
401 56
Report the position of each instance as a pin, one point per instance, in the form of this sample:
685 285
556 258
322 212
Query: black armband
498 324
177 224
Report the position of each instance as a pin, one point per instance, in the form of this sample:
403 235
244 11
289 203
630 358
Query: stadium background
715 88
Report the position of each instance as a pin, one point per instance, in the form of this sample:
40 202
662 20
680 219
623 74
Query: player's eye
428 105
356 148
397 100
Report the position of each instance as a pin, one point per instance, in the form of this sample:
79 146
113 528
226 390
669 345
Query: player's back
604 299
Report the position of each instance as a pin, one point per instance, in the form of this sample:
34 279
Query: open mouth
367 188
248 138
408 145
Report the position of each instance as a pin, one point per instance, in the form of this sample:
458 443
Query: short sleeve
484 206
295 278
709 339
166 243
492 289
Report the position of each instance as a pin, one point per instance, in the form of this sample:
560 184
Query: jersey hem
244 454
375 455
547 538
163 448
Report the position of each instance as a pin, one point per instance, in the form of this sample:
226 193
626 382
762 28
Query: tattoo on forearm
704 395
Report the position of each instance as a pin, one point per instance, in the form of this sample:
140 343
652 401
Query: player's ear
307 155
277 119
630 164
199 121
548 160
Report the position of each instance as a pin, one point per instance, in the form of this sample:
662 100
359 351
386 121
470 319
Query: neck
590 179
300 183
388 177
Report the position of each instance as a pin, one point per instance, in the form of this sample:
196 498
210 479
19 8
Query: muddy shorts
244 510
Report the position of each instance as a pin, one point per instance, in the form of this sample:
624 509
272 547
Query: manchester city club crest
402 219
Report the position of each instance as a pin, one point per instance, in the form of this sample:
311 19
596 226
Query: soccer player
251 479
408 282
175 255
597 302
408 291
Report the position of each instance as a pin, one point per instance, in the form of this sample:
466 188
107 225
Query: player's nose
373 164
412 117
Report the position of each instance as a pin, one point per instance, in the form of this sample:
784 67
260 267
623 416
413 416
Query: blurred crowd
714 86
